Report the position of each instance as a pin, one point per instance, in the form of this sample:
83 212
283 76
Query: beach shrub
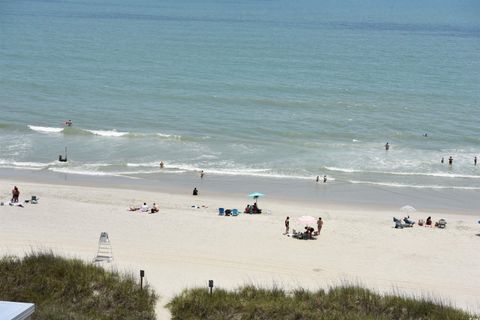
70 289
343 302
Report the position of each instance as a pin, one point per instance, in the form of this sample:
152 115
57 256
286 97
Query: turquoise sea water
281 89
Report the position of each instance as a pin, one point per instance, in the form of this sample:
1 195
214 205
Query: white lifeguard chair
104 252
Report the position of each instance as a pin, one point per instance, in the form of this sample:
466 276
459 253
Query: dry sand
182 247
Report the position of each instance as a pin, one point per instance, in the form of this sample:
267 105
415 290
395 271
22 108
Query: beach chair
442 223
234 212
104 252
34 200
398 223
221 211
408 222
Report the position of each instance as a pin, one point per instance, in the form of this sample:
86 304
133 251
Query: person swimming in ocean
68 123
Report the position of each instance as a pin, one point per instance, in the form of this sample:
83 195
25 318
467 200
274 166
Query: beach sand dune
182 247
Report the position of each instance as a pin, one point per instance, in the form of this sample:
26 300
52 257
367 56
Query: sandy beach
186 243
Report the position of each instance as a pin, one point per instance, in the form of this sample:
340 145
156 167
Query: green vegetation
70 289
346 302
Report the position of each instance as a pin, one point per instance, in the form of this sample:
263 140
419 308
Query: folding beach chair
221 211
234 212
34 200
104 252
442 223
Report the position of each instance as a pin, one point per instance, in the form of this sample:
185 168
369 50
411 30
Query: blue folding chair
221 211
234 212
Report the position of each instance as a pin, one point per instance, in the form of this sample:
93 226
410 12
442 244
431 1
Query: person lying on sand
15 204
154 208
133 208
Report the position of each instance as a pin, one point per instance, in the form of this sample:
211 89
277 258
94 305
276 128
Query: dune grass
70 289
343 302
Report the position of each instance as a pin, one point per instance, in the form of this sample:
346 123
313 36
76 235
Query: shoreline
330 194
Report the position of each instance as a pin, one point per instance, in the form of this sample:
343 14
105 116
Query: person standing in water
387 146
161 164
442 161
202 174
450 160
318 178
325 179
475 161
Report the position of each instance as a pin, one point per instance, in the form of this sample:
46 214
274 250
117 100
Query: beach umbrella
408 209
255 195
306 220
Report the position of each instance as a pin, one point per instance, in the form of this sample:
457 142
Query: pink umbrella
306 220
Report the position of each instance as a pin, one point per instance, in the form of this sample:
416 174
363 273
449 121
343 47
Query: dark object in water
61 158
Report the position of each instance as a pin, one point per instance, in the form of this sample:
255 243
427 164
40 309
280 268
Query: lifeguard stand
104 252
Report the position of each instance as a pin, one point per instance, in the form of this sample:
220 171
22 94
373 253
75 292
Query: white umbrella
408 209
306 220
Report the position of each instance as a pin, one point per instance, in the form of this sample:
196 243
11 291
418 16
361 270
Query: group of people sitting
252 209
308 234
145 208
407 222
442 223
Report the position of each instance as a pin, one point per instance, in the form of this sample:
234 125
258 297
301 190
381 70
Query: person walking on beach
202 174
450 160
387 146
15 194
325 179
319 225
287 225
475 161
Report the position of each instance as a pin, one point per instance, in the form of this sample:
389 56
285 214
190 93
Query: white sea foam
108 133
45 129
399 185
428 174
24 165
254 172
343 169
171 136
82 171
145 164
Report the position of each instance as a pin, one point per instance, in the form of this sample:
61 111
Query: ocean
266 89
